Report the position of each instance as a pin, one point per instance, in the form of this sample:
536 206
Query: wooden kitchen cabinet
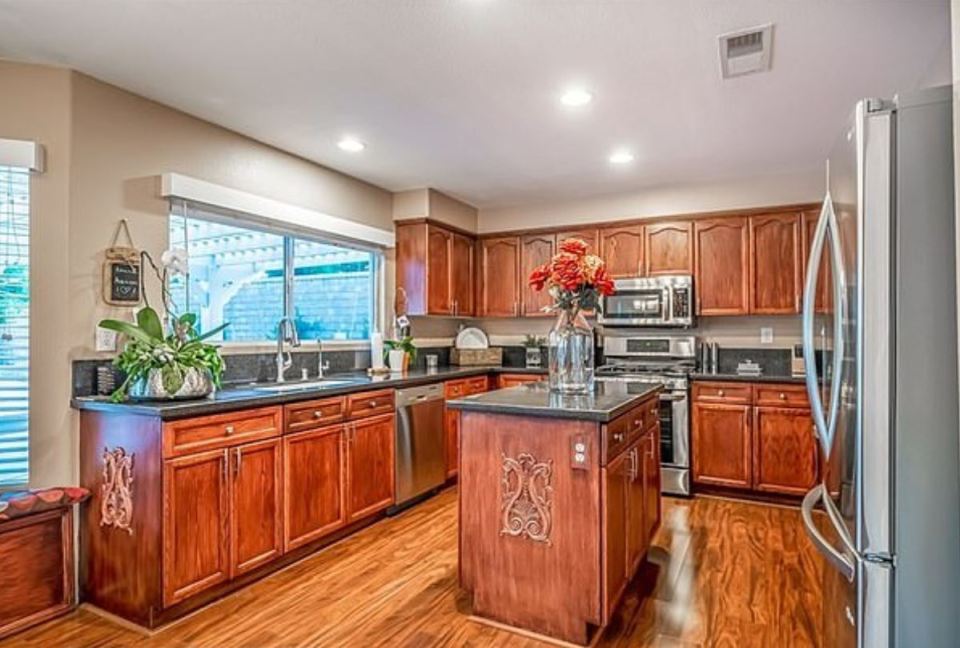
650 464
615 496
453 389
500 277
784 451
721 442
256 505
776 263
506 380
535 250
590 236
668 248
464 279
622 249
439 271
314 482
370 465
637 536
196 524
824 297
722 266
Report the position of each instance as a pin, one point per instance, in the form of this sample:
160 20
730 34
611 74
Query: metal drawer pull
721 393
373 403
618 437
317 414
783 396
228 430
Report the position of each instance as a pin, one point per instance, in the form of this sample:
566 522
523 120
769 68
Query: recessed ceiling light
576 97
351 145
621 157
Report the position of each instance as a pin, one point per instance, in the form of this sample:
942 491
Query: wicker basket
492 357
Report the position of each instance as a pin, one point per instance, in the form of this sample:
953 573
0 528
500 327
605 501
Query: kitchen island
559 498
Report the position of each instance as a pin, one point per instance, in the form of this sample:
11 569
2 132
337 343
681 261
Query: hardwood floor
721 574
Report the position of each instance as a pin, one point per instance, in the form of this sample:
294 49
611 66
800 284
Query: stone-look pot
197 383
397 359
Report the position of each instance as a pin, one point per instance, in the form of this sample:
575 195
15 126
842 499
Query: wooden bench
36 556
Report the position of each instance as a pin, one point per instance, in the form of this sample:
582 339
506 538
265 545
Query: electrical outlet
766 335
106 340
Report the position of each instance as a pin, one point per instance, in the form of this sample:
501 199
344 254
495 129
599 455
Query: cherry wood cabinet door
637 540
614 492
622 249
590 236
196 524
439 271
500 277
721 260
535 250
668 248
651 482
776 264
451 428
784 451
314 482
824 297
256 505
721 444
464 275
370 466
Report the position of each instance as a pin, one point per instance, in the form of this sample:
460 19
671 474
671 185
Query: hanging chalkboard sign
121 271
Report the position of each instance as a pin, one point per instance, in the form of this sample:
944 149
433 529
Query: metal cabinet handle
229 430
373 403
226 462
317 414
618 437
783 396
239 461
721 393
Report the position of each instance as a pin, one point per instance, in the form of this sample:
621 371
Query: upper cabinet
721 281
500 277
436 269
590 236
668 248
622 248
535 250
776 264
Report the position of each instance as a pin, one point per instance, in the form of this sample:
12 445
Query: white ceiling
462 95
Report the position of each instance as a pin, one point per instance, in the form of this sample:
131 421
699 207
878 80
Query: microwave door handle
833 555
668 303
807 321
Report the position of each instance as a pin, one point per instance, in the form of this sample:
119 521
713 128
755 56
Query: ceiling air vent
745 51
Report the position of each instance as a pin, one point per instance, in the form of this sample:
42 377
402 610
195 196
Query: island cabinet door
650 461
256 505
615 493
370 466
452 440
722 444
196 523
314 481
637 540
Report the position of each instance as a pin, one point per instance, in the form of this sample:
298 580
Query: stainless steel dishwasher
420 466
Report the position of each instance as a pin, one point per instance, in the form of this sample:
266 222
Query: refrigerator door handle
833 555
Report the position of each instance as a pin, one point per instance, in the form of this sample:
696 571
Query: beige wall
105 148
430 203
660 201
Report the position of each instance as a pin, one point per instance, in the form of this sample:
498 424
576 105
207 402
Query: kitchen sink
297 386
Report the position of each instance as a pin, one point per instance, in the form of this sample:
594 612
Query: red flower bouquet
576 280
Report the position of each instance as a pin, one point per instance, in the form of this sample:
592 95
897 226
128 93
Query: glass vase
570 349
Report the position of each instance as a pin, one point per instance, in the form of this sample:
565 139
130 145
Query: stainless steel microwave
650 301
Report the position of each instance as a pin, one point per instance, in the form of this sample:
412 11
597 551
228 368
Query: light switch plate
106 340
766 335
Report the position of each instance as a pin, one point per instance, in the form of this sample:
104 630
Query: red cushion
14 504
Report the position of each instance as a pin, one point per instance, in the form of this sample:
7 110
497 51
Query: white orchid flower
174 261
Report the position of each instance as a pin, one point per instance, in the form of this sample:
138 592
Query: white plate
472 338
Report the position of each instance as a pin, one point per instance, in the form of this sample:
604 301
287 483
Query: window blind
14 324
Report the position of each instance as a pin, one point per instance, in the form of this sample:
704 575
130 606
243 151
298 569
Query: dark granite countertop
237 397
609 400
731 377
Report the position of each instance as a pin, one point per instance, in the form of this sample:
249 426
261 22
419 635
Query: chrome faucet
286 332
321 365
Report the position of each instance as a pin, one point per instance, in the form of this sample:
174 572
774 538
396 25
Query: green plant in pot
406 345
166 362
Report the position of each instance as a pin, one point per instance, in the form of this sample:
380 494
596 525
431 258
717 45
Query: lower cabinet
370 465
651 480
512 380
256 505
616 495
453 389
314 482
754 438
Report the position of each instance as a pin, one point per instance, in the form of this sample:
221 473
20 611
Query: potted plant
576 281
532 344
399 353
166 362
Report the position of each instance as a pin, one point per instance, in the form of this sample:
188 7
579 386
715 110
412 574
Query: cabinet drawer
303 416
650 410
722 392
781 395
369 404
621 432
456 389
477 385
220 430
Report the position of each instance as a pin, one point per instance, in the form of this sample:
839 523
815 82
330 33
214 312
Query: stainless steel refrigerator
880 348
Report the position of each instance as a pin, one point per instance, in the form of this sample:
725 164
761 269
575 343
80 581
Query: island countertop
608 401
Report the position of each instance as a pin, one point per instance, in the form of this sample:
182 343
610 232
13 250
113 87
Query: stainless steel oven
650 301
639 360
